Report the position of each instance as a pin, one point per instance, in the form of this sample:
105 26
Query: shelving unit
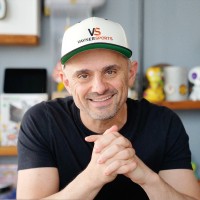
31 40
181 105
8 151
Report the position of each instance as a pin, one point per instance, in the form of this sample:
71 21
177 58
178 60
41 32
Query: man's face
98 80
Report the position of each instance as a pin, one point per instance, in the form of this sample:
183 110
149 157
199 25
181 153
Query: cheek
121 84
126 79
77 89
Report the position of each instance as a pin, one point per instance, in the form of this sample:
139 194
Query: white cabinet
21 24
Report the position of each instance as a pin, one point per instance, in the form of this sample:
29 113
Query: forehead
96 57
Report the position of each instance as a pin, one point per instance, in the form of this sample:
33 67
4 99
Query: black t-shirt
52 135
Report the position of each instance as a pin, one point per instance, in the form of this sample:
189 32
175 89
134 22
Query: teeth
99 100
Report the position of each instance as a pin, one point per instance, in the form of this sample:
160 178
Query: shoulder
147 109
153 117
45 109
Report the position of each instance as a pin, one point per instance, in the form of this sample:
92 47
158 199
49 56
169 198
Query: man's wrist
92 181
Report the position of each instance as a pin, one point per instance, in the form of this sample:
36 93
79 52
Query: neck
100 126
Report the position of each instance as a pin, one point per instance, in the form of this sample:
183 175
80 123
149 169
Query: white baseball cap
94 33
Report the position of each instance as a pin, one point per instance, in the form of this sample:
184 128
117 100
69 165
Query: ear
132 73
65 80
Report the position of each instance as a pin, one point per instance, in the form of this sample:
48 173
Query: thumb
113 128
93 138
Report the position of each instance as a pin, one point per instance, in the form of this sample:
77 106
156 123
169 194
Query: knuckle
117 147
119 163
123 140
128 152
132 151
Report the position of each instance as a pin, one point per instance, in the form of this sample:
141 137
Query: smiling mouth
102 99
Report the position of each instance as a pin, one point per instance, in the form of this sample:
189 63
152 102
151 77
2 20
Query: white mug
175 83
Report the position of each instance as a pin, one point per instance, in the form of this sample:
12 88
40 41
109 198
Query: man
99 144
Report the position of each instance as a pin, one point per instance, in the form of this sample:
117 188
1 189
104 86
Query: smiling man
98 143
98 80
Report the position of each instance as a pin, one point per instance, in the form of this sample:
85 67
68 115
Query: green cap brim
125 51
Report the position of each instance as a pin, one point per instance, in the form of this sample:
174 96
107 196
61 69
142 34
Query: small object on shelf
194 78
13 107
3 9
8 181
94 4
194 167
154 93
25 80
175 83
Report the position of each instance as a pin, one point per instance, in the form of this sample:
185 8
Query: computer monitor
25 80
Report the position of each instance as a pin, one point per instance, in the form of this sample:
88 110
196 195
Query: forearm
157 189
80 188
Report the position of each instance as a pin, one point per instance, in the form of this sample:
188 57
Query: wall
28 56
171 34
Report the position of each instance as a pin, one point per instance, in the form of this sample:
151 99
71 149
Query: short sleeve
33 142
177 150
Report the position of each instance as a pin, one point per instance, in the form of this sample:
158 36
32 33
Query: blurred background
162 34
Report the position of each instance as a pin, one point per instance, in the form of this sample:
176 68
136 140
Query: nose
99 85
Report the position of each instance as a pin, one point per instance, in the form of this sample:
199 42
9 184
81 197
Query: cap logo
95 31
95 34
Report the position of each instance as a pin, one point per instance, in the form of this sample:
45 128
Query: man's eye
111 72
83 76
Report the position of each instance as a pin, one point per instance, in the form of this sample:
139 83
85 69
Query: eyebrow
110 67
85 71
82 71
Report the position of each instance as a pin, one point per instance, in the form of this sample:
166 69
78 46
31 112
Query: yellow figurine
154 93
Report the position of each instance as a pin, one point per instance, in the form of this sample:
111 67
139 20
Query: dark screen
22 80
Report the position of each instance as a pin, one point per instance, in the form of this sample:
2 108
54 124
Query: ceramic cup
175 83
